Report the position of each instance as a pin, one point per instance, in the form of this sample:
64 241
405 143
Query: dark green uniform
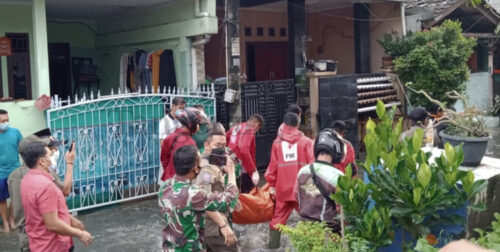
183 212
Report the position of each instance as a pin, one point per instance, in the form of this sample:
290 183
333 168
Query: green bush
309 236
407 189
490 240
396 45
434 61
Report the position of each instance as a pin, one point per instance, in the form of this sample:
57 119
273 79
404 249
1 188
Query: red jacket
349 158
180 137
290 152
241 140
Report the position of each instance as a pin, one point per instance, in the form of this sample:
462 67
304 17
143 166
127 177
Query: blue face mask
4 126
178 112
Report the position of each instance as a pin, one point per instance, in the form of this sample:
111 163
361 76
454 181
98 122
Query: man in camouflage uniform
212 179
184 205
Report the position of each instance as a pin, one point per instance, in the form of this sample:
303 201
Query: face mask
53 163
177 112
56 155
44 164
4 126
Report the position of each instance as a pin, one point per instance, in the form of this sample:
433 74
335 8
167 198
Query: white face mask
56 154
4 126
53 161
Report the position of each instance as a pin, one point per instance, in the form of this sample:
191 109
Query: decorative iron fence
117 143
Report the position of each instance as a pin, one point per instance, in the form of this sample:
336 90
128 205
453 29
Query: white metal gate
117 144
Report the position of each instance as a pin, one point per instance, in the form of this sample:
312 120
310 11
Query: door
60 69
18 66
267 61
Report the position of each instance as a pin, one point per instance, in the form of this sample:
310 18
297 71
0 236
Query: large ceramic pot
474 147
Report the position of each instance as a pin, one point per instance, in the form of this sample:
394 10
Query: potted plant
395 45
466 128
405 194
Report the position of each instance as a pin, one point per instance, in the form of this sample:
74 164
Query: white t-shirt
167 126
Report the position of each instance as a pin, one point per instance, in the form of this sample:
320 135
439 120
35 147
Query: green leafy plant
491 239
373 225
396 45
312 236
436 62
405 187
424 246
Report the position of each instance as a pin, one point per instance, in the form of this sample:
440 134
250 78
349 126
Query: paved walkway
136 227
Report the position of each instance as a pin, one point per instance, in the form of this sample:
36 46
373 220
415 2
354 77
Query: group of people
37 209
205 181
204 168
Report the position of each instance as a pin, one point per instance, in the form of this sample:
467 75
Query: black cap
46 133
43 133
418 114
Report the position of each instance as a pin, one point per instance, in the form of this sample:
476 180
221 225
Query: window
260 31
282 32
248 31
271 32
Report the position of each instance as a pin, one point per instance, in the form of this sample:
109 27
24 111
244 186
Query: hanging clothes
167 70
137 70
155 69
144 73
123 71
148 68
130 74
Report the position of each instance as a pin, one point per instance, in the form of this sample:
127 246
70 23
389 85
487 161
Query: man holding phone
212 179
48 223
17 175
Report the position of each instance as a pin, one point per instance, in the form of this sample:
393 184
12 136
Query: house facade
273 40
478 22
48 36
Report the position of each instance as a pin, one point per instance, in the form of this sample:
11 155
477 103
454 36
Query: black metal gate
269 99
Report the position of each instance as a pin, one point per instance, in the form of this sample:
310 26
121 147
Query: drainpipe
403 18
194 68
197 9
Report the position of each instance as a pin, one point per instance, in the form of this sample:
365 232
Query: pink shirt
40 195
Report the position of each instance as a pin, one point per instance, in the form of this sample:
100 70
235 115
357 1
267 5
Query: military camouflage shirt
183 212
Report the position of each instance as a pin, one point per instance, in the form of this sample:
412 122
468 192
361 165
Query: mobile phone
71 146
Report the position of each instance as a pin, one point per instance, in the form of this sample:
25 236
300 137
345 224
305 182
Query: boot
274 239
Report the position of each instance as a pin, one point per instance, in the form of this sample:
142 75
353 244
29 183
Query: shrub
435 61
312 236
